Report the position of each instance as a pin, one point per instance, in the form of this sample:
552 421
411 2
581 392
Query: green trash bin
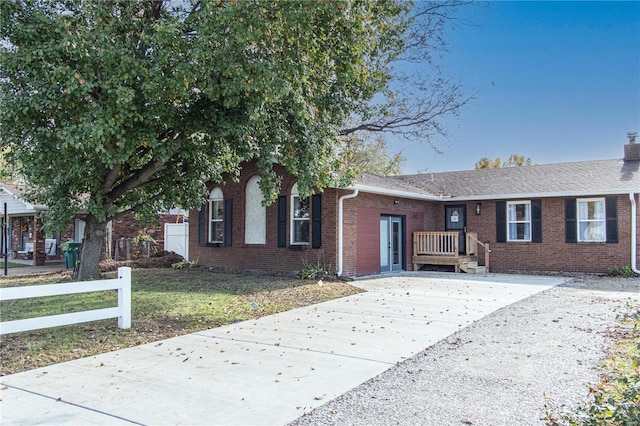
69 249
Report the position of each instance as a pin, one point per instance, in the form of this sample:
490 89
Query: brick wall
553 254
361 248
363 227
268 256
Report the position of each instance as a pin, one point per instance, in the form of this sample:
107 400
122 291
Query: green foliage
112 107
372 156
620 271
142 237
123 106
314 271
185 264
514 160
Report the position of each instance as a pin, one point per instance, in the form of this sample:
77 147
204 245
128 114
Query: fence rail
123 311
435 243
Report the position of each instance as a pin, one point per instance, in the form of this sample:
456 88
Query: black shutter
282 221
611 211
501 221
228 221
202 228
316 221
570 221
536 221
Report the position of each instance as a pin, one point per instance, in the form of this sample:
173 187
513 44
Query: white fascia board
540 195
396 193
518 196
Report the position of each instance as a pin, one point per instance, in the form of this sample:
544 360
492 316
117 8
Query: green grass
165 303
12 264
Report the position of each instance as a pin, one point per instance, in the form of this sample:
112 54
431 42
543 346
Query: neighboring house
24 236
565 217
27 239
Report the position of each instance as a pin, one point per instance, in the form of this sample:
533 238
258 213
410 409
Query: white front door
391 244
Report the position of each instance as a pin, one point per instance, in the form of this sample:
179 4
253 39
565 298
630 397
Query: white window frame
515 221
216 196
295 201
596 235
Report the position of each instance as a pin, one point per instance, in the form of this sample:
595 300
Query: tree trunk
92 248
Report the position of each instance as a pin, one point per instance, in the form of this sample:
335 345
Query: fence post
124 297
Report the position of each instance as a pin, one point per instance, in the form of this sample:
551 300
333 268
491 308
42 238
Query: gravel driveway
509 368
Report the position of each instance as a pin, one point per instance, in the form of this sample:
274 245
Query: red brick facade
361 235
268 256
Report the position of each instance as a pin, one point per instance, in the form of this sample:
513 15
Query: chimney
632 149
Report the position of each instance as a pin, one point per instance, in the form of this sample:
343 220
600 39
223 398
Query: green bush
620 271
313 272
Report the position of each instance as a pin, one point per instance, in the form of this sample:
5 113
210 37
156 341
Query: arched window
255 224
299 217
216 216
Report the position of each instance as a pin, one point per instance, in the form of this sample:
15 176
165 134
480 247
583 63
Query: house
23 225
564 217
27 239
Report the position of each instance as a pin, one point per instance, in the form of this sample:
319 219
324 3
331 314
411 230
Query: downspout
634 227
341 227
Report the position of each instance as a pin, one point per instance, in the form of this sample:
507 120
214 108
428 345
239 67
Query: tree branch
141 176
134 209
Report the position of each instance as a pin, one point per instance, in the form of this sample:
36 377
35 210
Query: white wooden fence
123 311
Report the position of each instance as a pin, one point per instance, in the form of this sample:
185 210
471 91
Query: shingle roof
559 179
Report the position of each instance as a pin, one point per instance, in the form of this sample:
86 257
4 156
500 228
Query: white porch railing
123 311
435 244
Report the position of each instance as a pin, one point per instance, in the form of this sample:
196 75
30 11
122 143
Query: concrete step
472 268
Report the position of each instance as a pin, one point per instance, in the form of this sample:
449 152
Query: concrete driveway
267 371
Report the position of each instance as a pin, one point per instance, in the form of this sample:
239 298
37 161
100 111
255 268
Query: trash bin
70 256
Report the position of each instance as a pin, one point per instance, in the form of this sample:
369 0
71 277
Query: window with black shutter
316 221
612 219
536 221
228 221
501 221
282 221
570 221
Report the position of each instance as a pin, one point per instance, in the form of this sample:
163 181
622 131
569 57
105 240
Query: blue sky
553 81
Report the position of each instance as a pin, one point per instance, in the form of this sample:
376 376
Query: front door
391 243
455 220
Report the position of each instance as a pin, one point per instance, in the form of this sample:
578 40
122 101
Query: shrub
620 271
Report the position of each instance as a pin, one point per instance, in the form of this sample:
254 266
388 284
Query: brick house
564 217
28 240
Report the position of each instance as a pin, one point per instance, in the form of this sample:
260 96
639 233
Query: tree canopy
514 160
372 156
128 106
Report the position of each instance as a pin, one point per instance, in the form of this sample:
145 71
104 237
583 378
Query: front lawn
165 303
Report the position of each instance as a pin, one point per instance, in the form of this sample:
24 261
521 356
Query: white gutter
341 226
634 227
397 193
525 195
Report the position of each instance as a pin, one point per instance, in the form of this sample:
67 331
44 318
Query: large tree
112 107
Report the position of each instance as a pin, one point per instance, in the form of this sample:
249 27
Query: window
299 218
216 216
519 221
255 224
591 219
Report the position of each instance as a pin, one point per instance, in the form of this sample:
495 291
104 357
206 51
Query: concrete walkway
30 269
266 371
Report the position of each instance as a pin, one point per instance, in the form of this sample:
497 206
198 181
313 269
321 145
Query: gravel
515 366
